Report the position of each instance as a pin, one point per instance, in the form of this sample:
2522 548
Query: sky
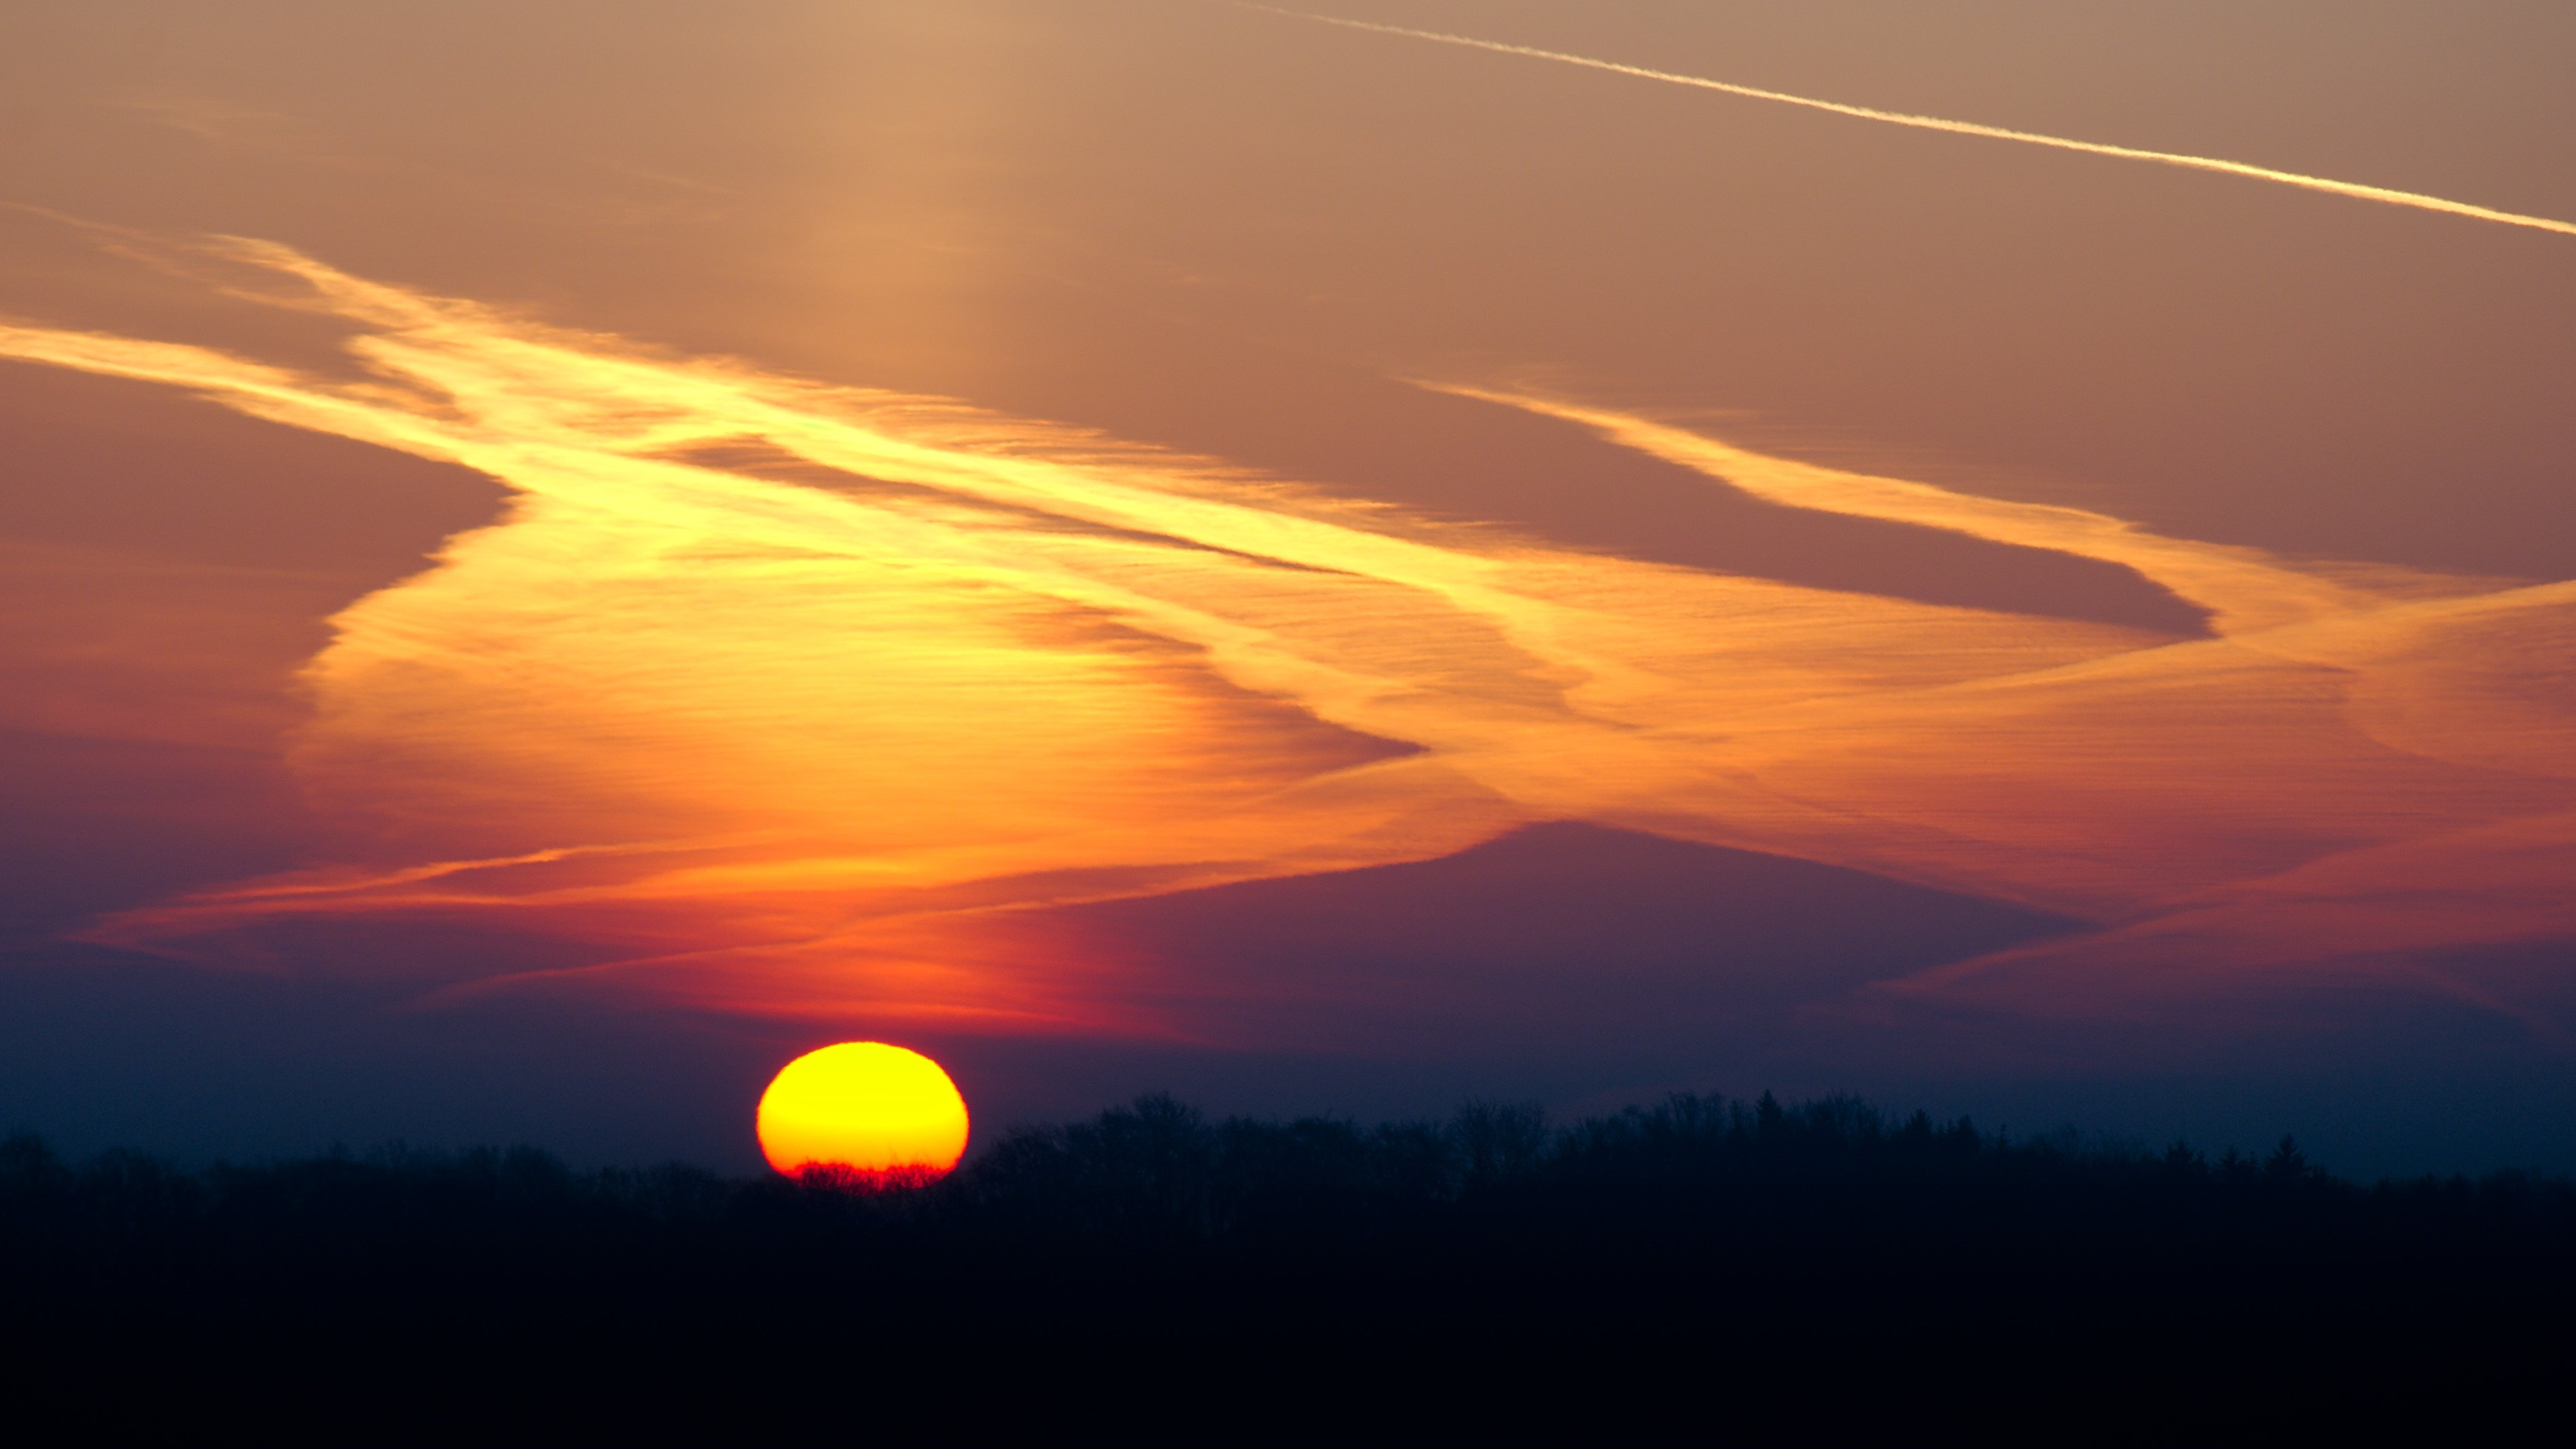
2011 558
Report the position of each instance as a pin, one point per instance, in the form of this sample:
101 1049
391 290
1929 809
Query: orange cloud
797 698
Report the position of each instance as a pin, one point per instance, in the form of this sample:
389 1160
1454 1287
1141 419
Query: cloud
2353 189
838 736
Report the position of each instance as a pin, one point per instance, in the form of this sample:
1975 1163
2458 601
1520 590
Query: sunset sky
2010 557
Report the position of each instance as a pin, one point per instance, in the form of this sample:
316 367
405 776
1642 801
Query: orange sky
776 514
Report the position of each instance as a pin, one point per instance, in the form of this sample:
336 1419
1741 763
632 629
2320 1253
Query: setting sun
865 1106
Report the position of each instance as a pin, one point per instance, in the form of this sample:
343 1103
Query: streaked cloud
796 698
2355 190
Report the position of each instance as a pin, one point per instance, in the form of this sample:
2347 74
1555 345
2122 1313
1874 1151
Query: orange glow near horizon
800 699
863 1106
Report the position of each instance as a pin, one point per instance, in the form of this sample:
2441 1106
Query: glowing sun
866 1107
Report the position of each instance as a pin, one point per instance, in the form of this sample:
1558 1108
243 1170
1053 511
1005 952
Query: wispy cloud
836 734
2353 189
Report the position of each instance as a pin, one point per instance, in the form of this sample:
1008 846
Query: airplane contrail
2328 185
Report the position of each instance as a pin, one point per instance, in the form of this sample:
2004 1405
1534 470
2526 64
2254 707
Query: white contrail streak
2352 189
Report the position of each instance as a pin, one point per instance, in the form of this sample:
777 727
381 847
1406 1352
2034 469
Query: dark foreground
1737 1271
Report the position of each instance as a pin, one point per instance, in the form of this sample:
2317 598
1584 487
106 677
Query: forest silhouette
1775 1246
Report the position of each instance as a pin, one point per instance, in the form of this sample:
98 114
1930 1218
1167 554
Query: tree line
1696 1184
1898 1261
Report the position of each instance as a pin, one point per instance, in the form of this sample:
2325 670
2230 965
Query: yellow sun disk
862 1105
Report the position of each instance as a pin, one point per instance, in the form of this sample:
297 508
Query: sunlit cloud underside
800 699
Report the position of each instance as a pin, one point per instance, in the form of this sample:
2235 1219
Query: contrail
2332 187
